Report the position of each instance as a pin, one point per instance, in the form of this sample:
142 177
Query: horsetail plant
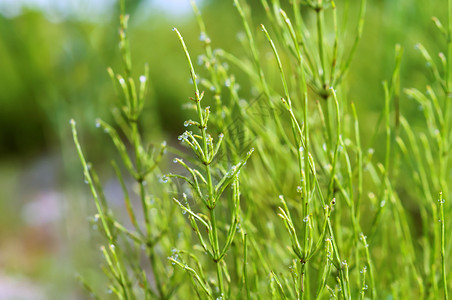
129 279
307 169
434 158
340 212
210 194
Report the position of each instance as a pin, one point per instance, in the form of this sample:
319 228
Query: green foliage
315 213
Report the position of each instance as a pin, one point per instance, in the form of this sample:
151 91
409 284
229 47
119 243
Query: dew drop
201 59
203 37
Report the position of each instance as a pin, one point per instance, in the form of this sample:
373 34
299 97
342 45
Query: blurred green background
53 61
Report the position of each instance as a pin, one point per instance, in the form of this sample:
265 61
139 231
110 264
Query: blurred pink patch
45 208
19 289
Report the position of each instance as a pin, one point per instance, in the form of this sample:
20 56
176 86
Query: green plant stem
216 251
449 45
443 247
336 149
153 262
90 183
359 159
302 280
146 210
444 155
371 267
320 25
245 266
335 46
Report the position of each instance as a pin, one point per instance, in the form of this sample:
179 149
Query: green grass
277 196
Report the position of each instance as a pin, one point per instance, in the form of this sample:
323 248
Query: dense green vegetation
315 157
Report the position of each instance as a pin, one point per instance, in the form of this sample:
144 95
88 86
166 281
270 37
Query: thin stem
90 182
216 251
302 280
320 21
443 242
371 268
158 282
